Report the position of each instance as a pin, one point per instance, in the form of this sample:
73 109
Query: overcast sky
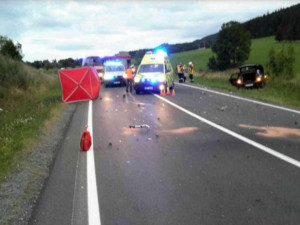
61 29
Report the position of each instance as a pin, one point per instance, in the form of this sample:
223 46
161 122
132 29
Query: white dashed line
234 134
241 98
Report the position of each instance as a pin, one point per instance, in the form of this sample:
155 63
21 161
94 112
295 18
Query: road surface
206 159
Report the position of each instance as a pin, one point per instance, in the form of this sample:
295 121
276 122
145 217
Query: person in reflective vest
180 73
129 79
191 71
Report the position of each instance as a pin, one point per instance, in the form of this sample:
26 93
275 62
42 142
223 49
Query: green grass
278 90
260 51
26 108
198 57
281 92
259 54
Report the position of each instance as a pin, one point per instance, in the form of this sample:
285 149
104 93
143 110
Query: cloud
60 29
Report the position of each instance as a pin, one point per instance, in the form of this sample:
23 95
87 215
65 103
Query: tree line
54 64
283 23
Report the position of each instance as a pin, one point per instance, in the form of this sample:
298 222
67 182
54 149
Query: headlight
100 74
161 78
107 77
239 81
258 79
125 75
137 79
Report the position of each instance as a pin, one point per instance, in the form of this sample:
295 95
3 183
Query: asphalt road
183 170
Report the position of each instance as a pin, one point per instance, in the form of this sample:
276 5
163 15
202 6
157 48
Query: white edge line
236 135
93 204
241 98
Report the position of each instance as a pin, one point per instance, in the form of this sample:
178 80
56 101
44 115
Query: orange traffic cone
173 92
162 92
168 91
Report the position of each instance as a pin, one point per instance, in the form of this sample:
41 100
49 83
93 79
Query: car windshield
248 69
151 68
92 61
119 68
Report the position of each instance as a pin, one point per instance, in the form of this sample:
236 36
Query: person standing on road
133 67
191 71
129 78
180 73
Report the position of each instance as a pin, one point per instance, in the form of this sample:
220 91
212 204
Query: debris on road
156 135
140 126
109 144
223 108
128 162
86 140
295 121
149 139
158 118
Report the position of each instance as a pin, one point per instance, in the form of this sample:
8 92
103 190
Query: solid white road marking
236 135
241 98
93 204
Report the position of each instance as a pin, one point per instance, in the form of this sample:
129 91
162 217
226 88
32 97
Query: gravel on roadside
19 193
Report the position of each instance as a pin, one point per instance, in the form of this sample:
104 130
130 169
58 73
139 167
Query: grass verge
278 91
26 111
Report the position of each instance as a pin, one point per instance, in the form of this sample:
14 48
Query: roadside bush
14 73
281 62
212 63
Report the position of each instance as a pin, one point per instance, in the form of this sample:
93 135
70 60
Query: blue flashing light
153 80
143 79
113 63
161 52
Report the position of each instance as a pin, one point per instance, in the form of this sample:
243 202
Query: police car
114 73
155 73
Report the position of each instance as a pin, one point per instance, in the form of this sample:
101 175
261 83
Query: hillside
283 23
259 54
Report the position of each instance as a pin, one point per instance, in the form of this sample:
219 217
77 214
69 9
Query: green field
198 57
278 90
259 54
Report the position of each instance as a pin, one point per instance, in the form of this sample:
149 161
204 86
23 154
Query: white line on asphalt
241 98
93 204
236 135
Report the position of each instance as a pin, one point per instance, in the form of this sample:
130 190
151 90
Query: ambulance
155 73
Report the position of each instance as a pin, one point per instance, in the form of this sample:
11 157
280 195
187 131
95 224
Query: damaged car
249 76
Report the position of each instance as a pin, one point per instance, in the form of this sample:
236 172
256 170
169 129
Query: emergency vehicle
96 62
155 73
114 73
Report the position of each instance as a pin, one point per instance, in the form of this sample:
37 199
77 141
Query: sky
53 29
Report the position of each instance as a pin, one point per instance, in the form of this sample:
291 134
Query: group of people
130 71
182 70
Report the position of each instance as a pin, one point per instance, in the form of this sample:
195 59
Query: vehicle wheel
137 91
106 85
